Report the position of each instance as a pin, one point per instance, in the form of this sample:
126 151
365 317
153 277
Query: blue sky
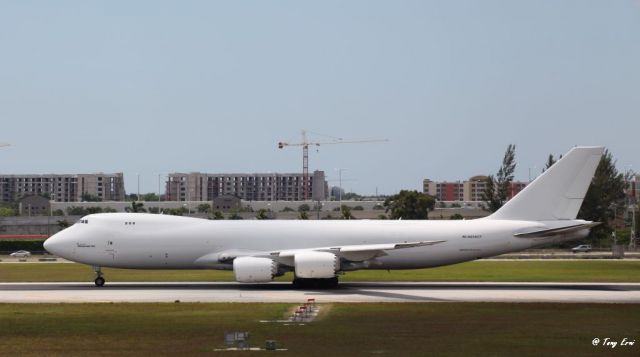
150 87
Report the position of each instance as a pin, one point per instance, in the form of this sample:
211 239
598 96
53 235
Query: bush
92 210
76 211
358 208
7 212
11 246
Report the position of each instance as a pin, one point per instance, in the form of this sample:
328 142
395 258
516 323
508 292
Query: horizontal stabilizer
552 232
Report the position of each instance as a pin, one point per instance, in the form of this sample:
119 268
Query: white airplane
318 251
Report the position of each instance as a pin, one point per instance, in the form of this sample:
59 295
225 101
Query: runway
352 292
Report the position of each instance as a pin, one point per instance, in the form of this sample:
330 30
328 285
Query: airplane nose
50 245
58 244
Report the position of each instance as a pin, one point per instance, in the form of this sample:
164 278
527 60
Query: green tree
150 197
304 208
92 210
287 209
76 211
409 205
456 216
262 214
604 197
86 197
175 211
303 215
497 188
136 207
345 212
7 212
217 215
204 208
351 196
550 162
234 215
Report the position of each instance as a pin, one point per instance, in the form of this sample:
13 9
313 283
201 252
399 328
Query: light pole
340 183
535 167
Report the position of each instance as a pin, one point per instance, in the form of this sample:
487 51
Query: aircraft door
110 250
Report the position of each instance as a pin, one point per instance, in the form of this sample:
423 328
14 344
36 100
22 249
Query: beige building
196 186
63 188
470 190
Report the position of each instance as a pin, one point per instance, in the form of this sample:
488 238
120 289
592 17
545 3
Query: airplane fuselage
150 241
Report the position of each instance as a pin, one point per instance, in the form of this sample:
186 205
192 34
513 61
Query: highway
347 292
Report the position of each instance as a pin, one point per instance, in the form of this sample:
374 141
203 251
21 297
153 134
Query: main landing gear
99 279
330 283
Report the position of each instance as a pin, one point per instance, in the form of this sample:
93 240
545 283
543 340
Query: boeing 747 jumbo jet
318 251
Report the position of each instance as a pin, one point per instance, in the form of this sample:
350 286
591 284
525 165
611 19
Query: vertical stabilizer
557 194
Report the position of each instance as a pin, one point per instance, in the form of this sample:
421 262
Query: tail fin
557 194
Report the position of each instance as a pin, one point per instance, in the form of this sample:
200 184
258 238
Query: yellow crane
305 154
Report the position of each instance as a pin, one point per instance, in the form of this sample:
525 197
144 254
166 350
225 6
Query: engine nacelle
316 265
254 270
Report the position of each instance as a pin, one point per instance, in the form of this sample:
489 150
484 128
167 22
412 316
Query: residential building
196 186
444 191
63 188
470 190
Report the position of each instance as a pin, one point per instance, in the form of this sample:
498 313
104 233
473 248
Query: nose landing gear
99 279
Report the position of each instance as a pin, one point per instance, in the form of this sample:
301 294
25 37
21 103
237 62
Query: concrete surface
347 292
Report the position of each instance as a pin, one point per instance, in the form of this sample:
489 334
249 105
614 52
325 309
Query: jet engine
254 270
316 265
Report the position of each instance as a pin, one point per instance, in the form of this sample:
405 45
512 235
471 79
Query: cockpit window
83 221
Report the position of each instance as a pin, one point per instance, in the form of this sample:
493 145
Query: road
347 292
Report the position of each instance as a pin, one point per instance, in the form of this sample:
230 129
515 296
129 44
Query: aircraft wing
356 253
550 232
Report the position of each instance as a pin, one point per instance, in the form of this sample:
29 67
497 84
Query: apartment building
63 188
469 190
196 186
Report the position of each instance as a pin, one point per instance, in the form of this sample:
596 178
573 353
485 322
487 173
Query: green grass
459 329
498 271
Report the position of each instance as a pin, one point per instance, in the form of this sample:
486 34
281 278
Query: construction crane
305 154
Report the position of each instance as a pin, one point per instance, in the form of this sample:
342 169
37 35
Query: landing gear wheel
330 283
99 279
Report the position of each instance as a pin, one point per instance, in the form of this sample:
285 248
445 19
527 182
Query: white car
583 248
21 254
